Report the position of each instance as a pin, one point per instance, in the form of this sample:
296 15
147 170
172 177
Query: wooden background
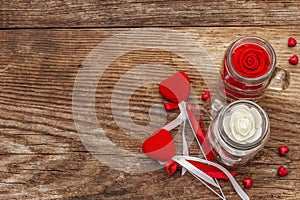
42 47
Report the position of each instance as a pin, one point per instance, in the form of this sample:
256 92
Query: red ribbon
211 170
201 133
171 167
171 106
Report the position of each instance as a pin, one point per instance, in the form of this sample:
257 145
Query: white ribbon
185 149
176 122
191 168
182 117
182 160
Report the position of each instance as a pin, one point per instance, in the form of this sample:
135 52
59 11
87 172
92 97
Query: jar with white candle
238 132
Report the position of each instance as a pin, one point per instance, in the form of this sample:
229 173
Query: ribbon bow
160 146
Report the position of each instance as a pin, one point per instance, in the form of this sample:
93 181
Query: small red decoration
160 146
283 150
205 96
292 42
247 182
171 106
171 167
282 171
294 60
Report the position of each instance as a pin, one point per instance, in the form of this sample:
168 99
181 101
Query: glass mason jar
238 132
248 69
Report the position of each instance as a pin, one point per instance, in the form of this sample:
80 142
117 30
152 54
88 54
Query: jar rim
234 144
270 49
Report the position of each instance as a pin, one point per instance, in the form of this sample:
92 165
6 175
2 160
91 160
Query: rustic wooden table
43 45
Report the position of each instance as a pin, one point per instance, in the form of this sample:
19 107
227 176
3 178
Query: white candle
243 124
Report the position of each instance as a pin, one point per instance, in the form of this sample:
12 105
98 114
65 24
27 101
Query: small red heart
205 96
292 42
176 88
160 146
282 171
283 150
247 182
294 60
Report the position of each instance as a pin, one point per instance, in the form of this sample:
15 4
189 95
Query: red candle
248 66
250 60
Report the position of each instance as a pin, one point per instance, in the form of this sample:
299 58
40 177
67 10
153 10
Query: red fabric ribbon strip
211 170
171 167
171 106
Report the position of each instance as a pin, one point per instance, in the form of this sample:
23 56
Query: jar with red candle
249 69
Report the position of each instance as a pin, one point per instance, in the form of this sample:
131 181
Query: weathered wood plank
120 13
42 155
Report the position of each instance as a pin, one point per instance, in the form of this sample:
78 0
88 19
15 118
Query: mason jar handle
213 106
281 79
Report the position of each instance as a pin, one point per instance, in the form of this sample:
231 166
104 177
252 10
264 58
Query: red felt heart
294 60
160 146
205 96
282 171
247 182
292 42
283 150
176 88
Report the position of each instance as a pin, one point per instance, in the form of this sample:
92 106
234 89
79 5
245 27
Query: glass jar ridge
230 152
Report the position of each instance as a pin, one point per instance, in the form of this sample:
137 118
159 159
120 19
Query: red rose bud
205 96
247 182
283 150
294 60
282 171
292 42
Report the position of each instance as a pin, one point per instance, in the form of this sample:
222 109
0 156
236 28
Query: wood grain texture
42 156
132 13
